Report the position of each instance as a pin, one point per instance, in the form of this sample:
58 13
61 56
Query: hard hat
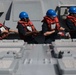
72 9
23 15
51 13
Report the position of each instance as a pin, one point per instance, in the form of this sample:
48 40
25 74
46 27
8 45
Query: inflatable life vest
73 19
53 24
28 26
4 34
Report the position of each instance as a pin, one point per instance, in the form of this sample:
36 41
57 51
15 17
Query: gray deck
35 59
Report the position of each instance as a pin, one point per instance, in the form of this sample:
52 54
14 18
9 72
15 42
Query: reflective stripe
53 26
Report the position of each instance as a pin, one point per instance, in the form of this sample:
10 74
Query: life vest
73 19
53 24
25 24
4 34
50 22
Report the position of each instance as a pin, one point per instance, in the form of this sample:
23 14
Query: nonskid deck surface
38 59
32 59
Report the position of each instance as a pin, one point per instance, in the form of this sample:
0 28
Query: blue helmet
23 15
72 9
51 12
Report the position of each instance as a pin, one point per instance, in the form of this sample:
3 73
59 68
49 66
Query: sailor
5 31
26 29
51 27
71 21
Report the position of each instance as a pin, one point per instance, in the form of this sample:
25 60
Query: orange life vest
73 19
4 34
25 24
50 21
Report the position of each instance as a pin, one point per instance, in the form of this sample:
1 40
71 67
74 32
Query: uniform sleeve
44 28
0 31
21 29
70 24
